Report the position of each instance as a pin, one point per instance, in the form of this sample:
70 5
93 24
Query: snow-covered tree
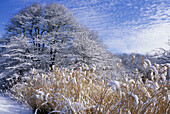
89 50
161 55
43 36
48 27
49 30
15 56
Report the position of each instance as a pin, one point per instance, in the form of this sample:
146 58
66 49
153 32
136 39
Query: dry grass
82 91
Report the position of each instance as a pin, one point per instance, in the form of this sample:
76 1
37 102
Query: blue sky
130 26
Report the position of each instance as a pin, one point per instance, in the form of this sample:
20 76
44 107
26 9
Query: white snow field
9 106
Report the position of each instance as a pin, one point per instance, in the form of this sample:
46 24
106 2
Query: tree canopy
43 36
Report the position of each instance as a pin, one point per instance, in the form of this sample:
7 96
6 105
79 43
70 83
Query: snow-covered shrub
89 90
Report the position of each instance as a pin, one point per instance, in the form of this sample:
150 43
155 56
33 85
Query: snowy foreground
9 106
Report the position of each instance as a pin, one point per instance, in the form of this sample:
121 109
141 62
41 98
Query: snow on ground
9 106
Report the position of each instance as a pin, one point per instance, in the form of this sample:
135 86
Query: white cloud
143 41
117 45
140 34
145 34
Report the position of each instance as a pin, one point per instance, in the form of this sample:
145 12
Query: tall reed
84 90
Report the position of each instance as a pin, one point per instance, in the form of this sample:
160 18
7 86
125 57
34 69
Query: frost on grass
86 91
